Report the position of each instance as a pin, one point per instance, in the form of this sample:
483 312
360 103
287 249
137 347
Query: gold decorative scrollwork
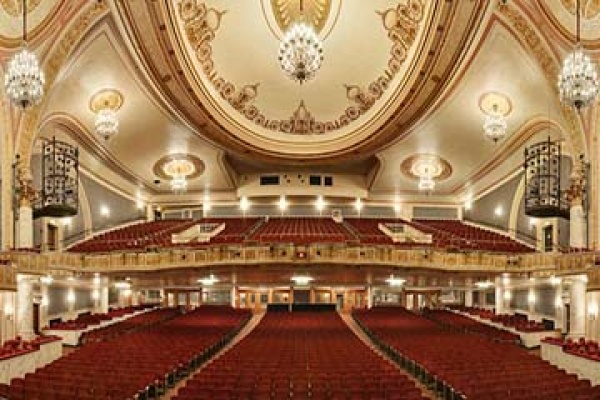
589 8
14 8
287 12
401 23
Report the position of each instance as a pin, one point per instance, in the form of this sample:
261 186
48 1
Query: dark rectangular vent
269 180
328 181
315 180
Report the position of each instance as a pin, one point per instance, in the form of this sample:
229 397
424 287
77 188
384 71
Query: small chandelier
578 80
301 51
107 123
179 184
494 125
426 183
105 105
24 80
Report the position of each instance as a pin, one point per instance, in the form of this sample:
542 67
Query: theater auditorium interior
299 199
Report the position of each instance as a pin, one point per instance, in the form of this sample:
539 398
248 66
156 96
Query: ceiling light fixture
24 80
578 79
178 169
494 125
301 50
107 123
209 281
302 280
395 281
105 105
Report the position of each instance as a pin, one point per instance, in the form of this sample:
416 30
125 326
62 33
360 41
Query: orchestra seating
517 321
302 231
86 320
139 364
466 324
132 324
300 355
466 366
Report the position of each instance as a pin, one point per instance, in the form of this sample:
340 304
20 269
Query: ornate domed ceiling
385 62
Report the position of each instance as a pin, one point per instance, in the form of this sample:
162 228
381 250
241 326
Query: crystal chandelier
426 183
179 184
24 80
494 125
578 80
301 51
107 124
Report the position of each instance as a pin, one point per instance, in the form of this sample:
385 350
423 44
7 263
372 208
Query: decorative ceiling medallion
316 12
589 8
14 8
431 166
201 24
173 165
106 98
495 103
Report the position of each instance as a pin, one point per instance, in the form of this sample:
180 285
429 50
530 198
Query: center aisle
301 355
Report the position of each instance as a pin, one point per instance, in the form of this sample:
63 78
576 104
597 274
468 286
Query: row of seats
17 346
467 324
465 366
582 348
132 324
86 320
445 233
301 231
519 322
300 355
137 365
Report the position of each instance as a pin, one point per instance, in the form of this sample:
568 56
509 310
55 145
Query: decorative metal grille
60 177
544 196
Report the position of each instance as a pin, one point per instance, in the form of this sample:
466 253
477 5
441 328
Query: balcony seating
137 364
17 346
301 231
299 355
454 233
467 366
368 230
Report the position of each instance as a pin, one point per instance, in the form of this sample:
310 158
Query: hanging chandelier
179 184
105 104
107 124
301 51
426 183
24 80
494 125
578 80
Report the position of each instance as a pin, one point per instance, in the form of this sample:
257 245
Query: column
369 296
499 295
531 300
468 292
188 304
233 297
577 221
577 307
103 295
593 325
26 198
44 305
559 308
312 298
25 307
7 316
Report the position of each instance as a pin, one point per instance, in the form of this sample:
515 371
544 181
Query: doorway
339 302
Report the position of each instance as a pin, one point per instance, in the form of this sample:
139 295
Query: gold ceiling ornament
427 169
316 12
401 24
182 164
590 9
106 98
14 8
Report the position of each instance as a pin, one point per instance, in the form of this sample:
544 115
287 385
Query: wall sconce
71 296
593 311
95 294
44 301
9 310
507 295
531 298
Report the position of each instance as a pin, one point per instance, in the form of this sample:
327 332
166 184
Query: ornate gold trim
444 169
14 8
106 98
286 12
201 24
197 165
